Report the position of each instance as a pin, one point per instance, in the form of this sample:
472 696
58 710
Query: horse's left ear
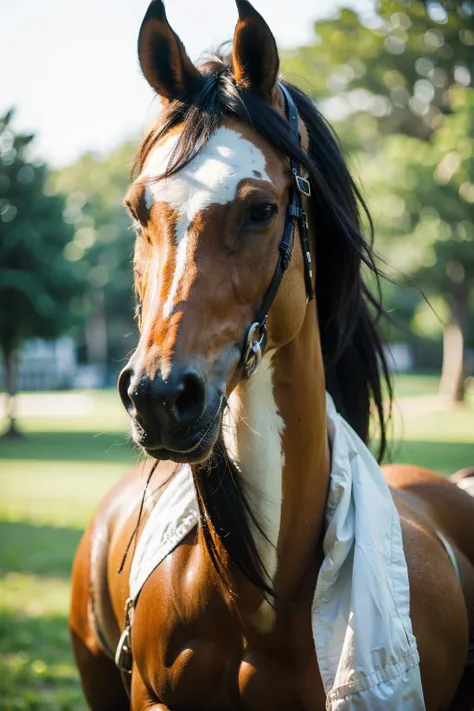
163 59
254 53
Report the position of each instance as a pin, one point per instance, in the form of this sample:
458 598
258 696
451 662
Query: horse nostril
190 400
178 402
124 381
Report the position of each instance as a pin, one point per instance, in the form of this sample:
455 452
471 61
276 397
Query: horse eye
262 212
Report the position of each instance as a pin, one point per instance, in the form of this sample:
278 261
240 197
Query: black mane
355 366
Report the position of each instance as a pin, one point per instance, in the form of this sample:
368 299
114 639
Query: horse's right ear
163 59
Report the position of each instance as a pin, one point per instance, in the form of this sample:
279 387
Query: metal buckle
253 349
123 654
303 185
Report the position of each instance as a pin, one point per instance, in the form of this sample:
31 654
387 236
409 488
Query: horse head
211 205
210 208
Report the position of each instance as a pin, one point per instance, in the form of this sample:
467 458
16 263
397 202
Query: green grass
55 493
37 669
52 480
412 384
50 483
442 426
443 457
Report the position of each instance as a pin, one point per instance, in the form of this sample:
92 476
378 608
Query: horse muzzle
176 418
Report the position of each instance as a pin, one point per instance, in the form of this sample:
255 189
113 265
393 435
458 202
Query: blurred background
396 81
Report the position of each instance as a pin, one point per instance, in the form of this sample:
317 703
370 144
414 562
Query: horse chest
193 652
204 675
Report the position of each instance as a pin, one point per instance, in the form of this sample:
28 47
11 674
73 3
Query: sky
70 68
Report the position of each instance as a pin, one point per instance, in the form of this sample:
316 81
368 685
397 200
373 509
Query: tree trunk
453 374
96 331
11 389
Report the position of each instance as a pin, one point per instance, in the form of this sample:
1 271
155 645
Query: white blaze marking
178 273
154 276
211 178
252 433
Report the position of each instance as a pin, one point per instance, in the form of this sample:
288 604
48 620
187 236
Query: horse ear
254 53
163 59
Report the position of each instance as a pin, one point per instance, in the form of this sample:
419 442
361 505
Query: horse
248 263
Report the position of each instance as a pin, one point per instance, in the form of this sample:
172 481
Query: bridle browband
257 334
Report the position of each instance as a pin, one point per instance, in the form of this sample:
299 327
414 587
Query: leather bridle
257 334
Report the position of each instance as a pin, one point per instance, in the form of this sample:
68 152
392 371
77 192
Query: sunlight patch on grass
37 670
455 425
442 457
413 384
34 595
94 411
70 446
58 493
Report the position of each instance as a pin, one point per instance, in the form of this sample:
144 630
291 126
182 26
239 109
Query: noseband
257 334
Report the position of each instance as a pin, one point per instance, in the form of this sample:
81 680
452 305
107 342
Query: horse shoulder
91 605
184 632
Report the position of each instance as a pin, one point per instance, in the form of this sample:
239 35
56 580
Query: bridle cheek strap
257 333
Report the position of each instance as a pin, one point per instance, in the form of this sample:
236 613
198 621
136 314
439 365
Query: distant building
399 357
46 365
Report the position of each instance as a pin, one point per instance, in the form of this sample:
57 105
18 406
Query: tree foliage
422 200
37 283
102 246
399 88
393 74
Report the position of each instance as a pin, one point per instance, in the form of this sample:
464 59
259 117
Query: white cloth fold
366 650
367 653
172 518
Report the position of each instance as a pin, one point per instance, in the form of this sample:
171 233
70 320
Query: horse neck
276 434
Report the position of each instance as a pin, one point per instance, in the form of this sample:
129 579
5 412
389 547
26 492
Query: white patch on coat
154 276
252 433
179 268
211 178
165 364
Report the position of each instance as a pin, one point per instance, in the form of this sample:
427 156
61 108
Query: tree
37 283
391 75
422 198
102 248
399 90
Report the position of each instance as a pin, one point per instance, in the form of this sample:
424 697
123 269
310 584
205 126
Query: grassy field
75 448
